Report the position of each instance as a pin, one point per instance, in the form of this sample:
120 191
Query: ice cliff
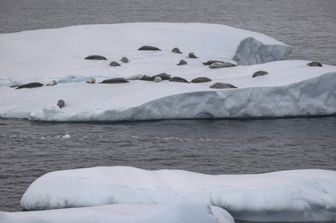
251 51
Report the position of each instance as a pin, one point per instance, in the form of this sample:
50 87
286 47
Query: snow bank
298 195
251 51
290 89
183 212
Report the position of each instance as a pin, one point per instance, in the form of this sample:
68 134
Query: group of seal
166 77
213 64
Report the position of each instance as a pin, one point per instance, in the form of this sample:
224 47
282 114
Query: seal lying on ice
149 48
178 79
200 80
314 64
95 57
259 73
118 80
182 62
220 85
30 85
60 103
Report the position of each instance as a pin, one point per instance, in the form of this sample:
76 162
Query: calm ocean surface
30 149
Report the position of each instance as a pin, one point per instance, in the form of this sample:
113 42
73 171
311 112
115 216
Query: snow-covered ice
181 212
290 89
297 195
59 53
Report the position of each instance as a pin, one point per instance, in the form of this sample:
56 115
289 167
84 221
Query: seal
259 73
157 79
217 65
60 103
200 80
192 55
220 85
117 80
124 60
149 48
163 76
95 57
147 78
30 85
314 64
209 62
182 62
176 50
114 64
178 79
52 83
91 81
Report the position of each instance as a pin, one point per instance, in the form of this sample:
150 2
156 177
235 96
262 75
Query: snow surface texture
298 195
290 89
251 51
182 212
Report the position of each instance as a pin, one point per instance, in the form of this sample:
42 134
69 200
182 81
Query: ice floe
291 88
180 212
297 195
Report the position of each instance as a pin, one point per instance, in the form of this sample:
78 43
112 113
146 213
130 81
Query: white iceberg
251 51
286 196
290 89
183 212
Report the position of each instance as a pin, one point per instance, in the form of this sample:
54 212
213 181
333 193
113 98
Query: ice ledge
316 96
251 51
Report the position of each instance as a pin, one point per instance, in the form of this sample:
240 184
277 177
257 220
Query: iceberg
285 196
59 56
251 51
181 212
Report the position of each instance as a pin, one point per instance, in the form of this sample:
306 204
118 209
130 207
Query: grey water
30 149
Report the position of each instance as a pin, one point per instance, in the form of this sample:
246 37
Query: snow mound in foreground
183 212
298 195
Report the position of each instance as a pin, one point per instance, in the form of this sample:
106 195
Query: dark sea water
30 149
